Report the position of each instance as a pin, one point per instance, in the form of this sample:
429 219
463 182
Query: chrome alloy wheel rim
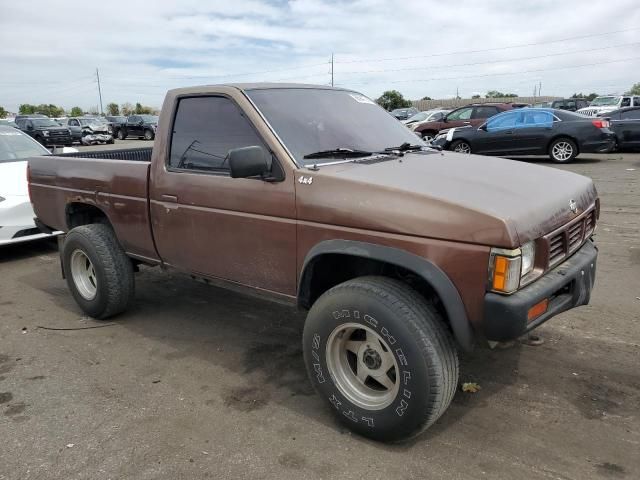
562 151
84 275
462 148
362 366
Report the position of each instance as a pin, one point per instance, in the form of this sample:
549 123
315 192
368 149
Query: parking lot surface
199 382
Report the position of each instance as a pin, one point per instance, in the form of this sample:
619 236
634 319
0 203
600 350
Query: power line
460 52
489 62
495 74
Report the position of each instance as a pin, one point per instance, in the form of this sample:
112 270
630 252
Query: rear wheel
563 150
461 146
382 357
148 135
428 136
121 134
98 272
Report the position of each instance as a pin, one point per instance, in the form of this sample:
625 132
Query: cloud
50 49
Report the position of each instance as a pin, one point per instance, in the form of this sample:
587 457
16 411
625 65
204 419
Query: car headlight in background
508 267
45 133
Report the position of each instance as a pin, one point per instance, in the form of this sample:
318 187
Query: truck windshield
315 120
44 122
15 146
602 101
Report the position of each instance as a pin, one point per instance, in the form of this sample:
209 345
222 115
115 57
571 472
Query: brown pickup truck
402 254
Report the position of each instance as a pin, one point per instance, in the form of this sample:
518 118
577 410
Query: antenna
99 91
332 69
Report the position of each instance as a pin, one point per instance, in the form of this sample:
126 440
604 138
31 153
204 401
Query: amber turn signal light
537 310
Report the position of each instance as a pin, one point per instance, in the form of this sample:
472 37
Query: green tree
113 109
126 109
498 94
392 99
49 110
142 109
427 98
76 112
26 109
589 97
476 96
3 112
635 90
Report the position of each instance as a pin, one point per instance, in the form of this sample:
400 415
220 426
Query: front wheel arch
372 259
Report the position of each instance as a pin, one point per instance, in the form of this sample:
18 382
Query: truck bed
115 182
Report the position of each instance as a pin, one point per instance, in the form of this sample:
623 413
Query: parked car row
561 134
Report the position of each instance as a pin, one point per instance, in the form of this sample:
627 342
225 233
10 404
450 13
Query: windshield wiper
405 147
340 152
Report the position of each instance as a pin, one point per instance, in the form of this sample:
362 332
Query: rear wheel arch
77 214
332 262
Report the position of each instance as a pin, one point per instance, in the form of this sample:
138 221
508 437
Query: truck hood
446 195
13 179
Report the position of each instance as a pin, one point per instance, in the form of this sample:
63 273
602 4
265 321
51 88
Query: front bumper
57 140
567 286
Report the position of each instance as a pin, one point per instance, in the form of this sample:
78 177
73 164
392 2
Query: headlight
528 257
45 133
508 267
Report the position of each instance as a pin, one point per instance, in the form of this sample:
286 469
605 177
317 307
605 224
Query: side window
74 123
462 114
484 112
626 102
631 115
502 122
636 101
535 120
133 120
204 131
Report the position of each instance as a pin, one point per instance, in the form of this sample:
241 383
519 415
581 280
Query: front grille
568 238
58 133
589 113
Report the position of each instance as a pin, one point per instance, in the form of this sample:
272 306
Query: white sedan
16 213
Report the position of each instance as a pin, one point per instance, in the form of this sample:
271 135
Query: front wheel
460 146
98 272
381 356
148 135
563 150
121 135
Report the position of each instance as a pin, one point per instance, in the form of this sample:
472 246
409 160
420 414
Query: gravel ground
199 382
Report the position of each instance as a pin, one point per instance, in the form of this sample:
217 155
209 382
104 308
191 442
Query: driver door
205 222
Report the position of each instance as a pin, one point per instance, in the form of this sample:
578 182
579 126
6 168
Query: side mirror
29 127
141 122
249 162
483 127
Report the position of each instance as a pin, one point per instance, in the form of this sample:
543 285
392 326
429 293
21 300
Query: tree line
54 111
392 99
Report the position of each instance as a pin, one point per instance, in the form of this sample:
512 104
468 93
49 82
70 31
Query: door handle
171 202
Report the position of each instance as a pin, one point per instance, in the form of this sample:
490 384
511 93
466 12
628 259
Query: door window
626 102
636 101
534 120
74 123
631 115
204 131
502 122
462 114
484 112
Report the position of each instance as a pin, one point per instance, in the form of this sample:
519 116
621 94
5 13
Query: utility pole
99 91
540 88
332 69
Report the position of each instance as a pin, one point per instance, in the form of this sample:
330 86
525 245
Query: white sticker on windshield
361 98
450 134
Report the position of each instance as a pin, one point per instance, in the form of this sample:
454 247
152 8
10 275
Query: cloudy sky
49 49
